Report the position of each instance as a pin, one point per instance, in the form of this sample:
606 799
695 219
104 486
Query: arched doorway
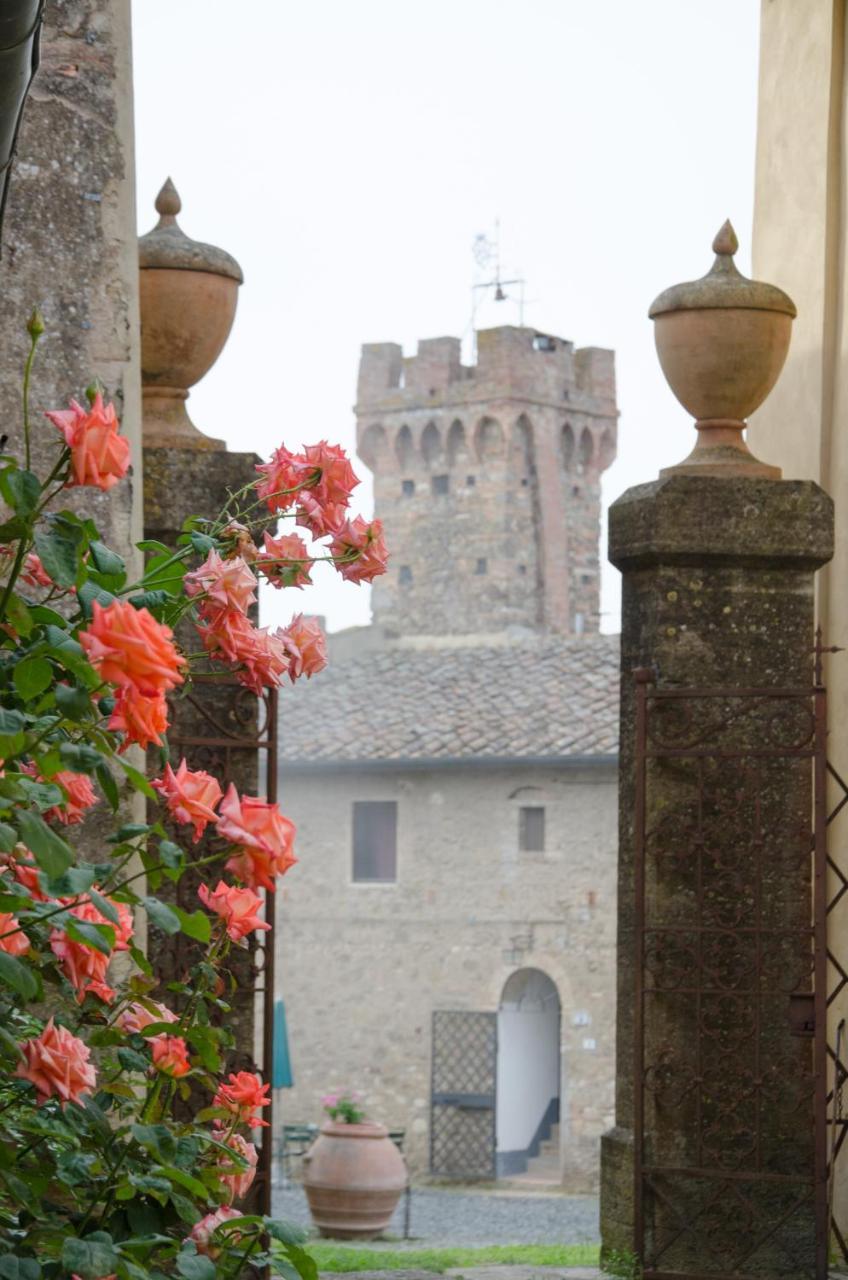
528 1077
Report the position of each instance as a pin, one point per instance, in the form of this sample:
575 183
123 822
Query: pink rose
57 1063
285 562
306 646
99 455
263 836
238 907
227 584
359 550
191 796
236 1180
170 1055
12 938
244 1095
137 1016
203 1232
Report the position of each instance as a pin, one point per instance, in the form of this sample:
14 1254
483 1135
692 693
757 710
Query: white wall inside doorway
528 1056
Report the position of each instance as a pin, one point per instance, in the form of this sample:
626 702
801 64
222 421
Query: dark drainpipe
20 30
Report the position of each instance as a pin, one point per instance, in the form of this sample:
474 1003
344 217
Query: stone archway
528 1086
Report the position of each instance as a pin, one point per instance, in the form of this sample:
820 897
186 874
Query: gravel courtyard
440 1217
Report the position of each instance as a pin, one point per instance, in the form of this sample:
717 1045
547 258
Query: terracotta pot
353 1177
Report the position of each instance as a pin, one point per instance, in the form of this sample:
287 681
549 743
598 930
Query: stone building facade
452 774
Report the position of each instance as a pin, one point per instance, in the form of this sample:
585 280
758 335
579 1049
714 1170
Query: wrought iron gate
463 1095
730 1094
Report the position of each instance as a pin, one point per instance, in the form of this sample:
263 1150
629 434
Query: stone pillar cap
167 245
723 286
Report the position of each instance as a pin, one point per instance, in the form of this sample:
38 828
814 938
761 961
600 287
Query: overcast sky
348 153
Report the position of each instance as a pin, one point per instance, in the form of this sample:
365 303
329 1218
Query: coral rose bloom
230 584
243 1095
99 455
306 646
202 1233
280 479
81 796
285 562
128 647
234 1178
13 940
360 551
33 572
84 966
170 1056
230 636
263 836
141 717
136 1017
57 1063
237 907
191 796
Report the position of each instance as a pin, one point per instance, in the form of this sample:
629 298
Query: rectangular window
407 488
375 841
440 484
531 830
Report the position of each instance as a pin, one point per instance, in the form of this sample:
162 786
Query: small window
407 488
375 841
531 830
470 482
522 568
405 575
482 565
544 342
440 485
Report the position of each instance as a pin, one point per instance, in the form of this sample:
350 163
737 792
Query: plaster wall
800 240
363 967
528 1073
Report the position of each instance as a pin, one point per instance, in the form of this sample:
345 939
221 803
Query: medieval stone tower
487 478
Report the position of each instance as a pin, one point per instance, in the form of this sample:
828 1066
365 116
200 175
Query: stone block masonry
500 463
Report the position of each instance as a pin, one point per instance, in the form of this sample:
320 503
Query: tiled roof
546 697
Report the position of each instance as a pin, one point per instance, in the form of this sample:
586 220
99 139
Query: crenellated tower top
487 477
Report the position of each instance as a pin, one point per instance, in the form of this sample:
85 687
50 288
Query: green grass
345 1257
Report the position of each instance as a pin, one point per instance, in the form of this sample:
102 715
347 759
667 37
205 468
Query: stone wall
487 478
363 967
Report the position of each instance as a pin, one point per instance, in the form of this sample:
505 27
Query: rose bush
101 1176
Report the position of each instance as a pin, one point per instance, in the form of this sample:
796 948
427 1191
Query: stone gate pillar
718 558
188 299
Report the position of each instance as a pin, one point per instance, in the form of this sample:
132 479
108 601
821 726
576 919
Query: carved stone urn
722 341
188 293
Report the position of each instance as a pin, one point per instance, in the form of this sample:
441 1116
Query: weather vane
486 252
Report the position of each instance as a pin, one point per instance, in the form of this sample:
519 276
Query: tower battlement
487 477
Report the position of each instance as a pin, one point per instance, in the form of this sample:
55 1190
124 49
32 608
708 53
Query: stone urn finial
188 294
722 341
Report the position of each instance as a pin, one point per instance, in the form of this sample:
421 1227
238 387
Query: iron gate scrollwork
730 1100
463 1097
219 725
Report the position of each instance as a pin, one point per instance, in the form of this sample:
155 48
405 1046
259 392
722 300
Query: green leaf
90 1258
150 544
104 906
79 758
10 1044
159 573
44 795
141 961
202 543
132 1061
8 837
89 592
186 1180
108 785
21 489
151 599
32 676
11 721
165 917
195 1266
129 831
70 654
19 615
286 1232
72 882
137 779
101 937
157 1139
17 975
50 851
59 544
196 924
12 1268
74 703
105 560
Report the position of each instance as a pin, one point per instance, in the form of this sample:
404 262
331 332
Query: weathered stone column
188 302
718 558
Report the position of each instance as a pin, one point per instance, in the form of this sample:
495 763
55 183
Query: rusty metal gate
730 1080
463 1095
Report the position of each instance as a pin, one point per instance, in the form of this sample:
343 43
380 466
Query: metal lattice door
462 1114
